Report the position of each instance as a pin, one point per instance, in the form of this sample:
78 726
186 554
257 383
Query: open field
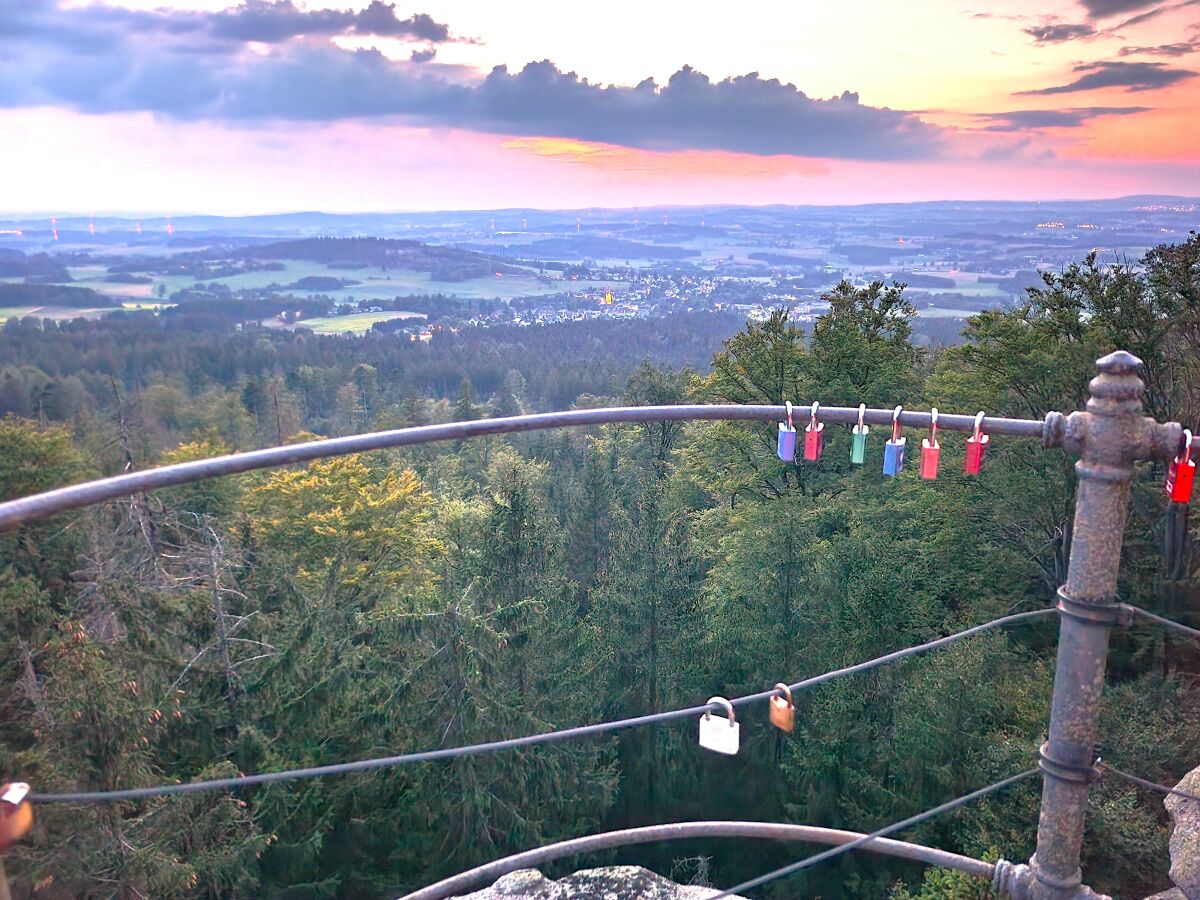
59 313
355 323
378 283
16 312
373 283
941 312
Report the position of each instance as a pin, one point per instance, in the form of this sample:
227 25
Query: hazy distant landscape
355 272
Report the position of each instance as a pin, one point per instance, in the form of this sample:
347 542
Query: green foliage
861 351
450 594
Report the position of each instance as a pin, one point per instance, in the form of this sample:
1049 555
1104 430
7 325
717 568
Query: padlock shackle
933 426
978 424
896 422
787 692
1187 447
862 415
788 406
726 705
812 416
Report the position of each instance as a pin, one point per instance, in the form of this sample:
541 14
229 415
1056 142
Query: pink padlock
930 449
814 436
977 445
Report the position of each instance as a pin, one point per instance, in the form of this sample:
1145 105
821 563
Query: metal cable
515 743
774 831
1150 785
39 506
805 863
1166 623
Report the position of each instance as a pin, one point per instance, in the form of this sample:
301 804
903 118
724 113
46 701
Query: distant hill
442 263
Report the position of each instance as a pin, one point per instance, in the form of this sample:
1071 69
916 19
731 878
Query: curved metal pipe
489 872
40 506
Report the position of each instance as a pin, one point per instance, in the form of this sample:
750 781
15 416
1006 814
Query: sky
208 106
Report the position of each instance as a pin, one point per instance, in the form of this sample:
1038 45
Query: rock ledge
610 883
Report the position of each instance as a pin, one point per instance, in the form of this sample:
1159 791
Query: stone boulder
610 883
1185 839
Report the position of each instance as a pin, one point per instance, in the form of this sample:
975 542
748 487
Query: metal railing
1109 437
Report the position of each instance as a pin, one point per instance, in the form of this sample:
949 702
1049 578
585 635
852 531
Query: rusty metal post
1110 437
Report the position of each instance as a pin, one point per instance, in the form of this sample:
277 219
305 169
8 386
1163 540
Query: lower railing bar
489 872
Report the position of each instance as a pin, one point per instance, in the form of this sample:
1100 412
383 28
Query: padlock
814 442
977 445
720 735
1181 473
16 814
893 450
930 449
814 436
893 457
858 445
858 437
786 447
929 459
782 711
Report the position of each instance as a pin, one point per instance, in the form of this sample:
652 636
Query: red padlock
977 445
814 436
930 449
16 815
1181 473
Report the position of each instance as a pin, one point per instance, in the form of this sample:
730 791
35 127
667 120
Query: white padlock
721 735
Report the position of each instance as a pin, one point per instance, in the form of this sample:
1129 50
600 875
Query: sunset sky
272 105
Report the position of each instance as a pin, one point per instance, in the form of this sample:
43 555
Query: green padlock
858 438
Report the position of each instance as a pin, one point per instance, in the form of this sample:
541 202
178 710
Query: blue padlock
786 447
893 457
893 450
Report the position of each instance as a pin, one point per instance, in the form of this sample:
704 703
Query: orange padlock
16 814
783 713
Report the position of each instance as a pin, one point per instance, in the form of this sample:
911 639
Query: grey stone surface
611 883
1185 838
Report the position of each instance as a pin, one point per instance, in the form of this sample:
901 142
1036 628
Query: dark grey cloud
272 21
1058 32
1129 76
1054 31
1100 9
1152 14
1020 120
317 81
92 28
747 114
1180 48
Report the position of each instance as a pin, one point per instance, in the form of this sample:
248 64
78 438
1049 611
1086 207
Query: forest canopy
465 592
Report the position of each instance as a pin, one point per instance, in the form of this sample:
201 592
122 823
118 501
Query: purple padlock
786 446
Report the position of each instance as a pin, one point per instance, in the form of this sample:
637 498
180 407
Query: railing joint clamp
1066 771
1103 614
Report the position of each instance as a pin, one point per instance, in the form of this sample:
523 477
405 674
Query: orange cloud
1167 134
685 164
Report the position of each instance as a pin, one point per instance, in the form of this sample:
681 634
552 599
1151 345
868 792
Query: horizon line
135 215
